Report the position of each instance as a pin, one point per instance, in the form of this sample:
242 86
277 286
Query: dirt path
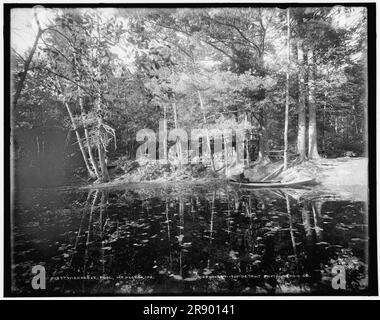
346 178
344 171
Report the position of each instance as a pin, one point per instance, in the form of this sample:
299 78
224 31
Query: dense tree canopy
104 75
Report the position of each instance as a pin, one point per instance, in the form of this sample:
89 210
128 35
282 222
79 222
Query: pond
188 240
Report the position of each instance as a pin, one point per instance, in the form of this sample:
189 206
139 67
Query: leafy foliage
209 67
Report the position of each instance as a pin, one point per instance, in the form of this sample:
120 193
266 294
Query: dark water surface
187 240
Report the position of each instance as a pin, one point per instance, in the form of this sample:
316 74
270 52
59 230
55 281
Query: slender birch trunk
80 142
87 138
101 151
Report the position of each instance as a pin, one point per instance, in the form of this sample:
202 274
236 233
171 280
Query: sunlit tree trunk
365 102
323 122
225 155
263 142
207 134
313 149
87 138
178 143
287 95
102 161
90 170
101 151
301 133
80 142
165 136
83 117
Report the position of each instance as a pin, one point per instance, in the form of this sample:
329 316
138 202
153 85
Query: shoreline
338 176
156 183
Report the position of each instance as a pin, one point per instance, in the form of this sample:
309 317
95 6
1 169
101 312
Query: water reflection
173 240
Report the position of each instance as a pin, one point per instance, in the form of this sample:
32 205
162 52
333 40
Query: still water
146 239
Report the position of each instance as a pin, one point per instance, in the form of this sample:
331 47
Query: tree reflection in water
190 240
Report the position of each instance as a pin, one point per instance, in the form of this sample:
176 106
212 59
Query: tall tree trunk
80 143
323 123
313 149
247 142
207 134
263 145
225 143
301 133
365 102
83 116
90 170
178 142
263 142
287 96
165 142
101 148
162 142
101 151
102 162
87 138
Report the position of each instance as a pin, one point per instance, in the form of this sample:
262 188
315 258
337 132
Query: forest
191 150
292 81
